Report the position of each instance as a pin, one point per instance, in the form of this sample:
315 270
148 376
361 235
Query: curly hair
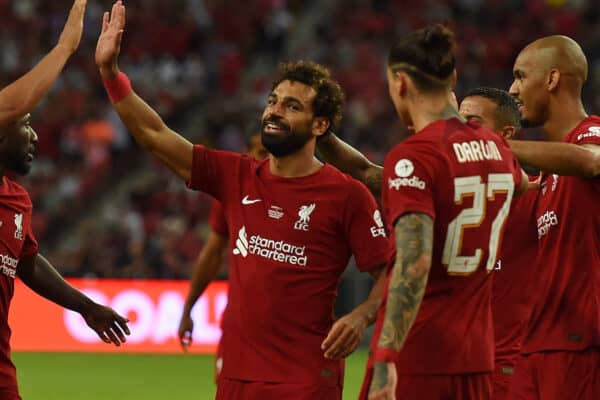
330 98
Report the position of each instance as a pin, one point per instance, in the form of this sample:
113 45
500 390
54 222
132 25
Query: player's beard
15 162
287 143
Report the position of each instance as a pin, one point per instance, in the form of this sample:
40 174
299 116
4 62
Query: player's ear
320 126
508 131
454 100
400 83
553 79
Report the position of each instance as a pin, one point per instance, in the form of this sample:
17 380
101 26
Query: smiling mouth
274 128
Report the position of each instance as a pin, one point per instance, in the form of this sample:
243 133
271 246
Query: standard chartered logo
8 265
241 243
545 222
276 250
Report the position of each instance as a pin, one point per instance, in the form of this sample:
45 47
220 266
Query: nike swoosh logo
246 201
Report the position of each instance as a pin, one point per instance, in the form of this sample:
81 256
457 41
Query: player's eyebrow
518 73
288 99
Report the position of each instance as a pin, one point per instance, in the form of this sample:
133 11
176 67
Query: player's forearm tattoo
414 242
380 377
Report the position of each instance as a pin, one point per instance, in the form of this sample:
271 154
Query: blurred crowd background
103 208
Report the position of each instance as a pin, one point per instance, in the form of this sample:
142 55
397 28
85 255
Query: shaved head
549 75
558 52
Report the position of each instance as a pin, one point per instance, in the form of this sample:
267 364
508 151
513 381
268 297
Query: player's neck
566 115
429 109
301 163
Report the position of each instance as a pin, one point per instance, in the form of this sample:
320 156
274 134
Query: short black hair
427 55
507 110
330 98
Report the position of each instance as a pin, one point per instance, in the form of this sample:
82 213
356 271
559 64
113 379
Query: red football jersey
16 242
566 311
515 268
464 177
216 219
291 240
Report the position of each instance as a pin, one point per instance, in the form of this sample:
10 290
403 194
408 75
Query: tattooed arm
414 246
352 162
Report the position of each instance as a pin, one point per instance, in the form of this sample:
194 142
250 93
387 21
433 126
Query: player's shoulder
13 187
15 190
332 175
438 134
219 153
588 129
344 182
425 146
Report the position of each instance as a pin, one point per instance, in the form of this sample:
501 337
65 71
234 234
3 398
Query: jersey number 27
473 217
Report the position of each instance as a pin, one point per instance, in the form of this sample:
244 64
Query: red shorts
229 389
558 375
8 394
502 379
437 387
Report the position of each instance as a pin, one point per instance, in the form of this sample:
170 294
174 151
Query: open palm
109 42
71 34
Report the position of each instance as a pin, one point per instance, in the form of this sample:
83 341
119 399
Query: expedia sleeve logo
593 131
378 229
404 169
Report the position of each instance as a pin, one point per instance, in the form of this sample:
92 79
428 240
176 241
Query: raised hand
109 42
71 34
110 326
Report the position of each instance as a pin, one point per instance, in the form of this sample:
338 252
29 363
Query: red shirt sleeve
211 169
409 179
364 229
217 220
30 244
591 135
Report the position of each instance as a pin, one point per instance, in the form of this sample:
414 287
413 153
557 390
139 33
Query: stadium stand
106 210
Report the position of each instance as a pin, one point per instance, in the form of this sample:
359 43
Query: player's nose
514 89
33 138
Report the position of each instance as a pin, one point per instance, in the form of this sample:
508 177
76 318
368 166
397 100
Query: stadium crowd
188 57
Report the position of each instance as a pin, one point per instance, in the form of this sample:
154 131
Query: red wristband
385 355
118 87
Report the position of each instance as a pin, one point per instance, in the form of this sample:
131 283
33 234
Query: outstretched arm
143 122
21 96
351 161
41 277
414 246
205 271
347 332
559 158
